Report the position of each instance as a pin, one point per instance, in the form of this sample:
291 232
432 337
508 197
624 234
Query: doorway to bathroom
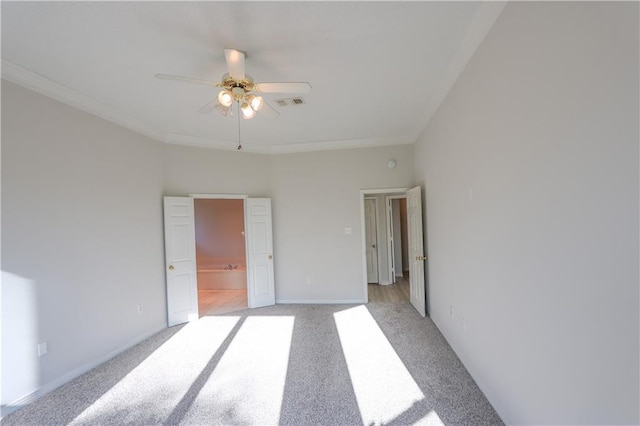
220 255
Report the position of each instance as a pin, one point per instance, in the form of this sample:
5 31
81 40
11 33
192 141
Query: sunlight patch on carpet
383 386
432 419
187 353
247 385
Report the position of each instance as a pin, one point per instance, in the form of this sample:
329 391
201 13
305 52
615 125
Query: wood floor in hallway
392 293
215 302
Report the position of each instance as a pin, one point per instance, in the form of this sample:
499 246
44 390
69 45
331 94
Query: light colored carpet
379 363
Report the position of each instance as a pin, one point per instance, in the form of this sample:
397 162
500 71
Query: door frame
363 194
390 236
375 211
246 242
417 259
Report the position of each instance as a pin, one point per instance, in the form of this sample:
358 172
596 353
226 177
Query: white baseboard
320 302
496 402
384 283
56 383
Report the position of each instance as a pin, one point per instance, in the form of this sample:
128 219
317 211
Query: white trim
47 87
56 383
365 289
390 243
397 196
341 144
375 210
178 139
496 402
393 268
320 301
486 16
186 140
363 194
220 196
375 205
247 260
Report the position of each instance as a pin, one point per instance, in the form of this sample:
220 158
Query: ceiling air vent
290 101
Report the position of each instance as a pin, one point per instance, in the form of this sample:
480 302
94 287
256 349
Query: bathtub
218 276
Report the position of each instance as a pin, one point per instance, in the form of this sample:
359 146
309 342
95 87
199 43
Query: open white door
180 252
261 287
371 239
416 250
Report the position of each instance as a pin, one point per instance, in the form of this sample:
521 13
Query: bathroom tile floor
214 302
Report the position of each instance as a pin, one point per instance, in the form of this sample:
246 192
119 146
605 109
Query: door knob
270 257
373 246
171 268
421 257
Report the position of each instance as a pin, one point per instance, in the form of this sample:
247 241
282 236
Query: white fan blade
268 111
293 87
187 79
208 107
235 63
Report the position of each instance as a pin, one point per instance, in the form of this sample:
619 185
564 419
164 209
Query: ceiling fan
239 87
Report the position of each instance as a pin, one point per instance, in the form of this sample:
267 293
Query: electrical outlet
308 281
464 324
42 348
139 309
347 230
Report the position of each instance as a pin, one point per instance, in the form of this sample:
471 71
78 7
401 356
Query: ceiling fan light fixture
223 110
247 111
239 87
256 102
225 97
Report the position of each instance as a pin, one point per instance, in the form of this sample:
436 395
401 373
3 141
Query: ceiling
379 70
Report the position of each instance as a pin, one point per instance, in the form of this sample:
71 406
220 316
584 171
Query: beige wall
82 241
542 260
189 170
315 197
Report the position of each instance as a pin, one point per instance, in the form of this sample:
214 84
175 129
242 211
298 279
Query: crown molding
487 14
177 139
47 87
186 140
339 144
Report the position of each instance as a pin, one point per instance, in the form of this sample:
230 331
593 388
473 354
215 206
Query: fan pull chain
239 141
